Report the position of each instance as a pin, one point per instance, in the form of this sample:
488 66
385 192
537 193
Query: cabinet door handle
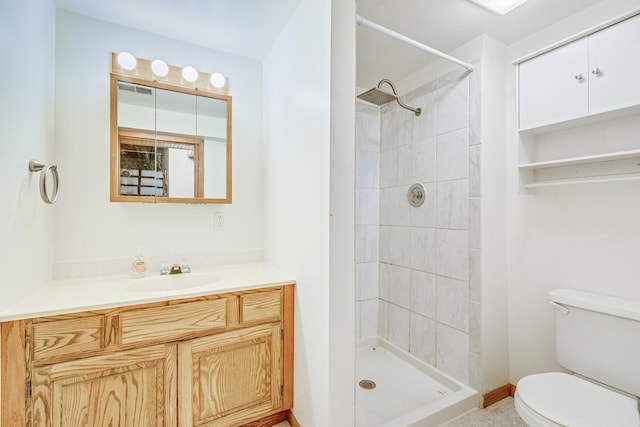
579 76
596 71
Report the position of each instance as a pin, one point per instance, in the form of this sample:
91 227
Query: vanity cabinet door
130 388
230 378
554 86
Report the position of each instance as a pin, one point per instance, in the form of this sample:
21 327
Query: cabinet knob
596 71
579 76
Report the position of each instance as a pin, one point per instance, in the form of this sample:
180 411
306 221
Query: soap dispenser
138 266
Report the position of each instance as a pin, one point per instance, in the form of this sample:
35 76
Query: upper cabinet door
553 86
614 66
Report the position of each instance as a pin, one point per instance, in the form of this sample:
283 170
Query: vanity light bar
125 64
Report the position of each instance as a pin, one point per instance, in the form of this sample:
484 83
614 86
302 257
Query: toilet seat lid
571 401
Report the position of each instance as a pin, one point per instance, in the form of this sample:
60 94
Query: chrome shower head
379 97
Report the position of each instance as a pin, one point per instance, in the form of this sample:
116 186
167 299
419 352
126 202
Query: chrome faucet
183 267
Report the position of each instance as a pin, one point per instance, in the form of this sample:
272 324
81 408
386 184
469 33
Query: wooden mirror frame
142 75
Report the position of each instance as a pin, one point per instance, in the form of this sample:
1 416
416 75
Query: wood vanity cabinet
219 360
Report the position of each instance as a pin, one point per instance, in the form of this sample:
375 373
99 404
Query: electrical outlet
218 221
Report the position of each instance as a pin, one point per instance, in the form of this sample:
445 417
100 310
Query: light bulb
126 61
159 68
190 74
217 80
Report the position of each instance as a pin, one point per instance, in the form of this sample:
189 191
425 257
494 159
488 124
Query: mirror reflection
170 145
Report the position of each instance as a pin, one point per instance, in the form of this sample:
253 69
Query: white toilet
598 339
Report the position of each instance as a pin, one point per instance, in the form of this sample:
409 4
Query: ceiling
250 27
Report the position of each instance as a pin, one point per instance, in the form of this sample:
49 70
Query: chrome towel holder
35 166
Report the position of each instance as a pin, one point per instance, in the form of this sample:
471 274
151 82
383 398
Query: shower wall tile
475 322
385 241
454 76
399 286
475 124
452 352
475 78
453 204
452 156
424 125
453 107
366 281
367 169
367 206
368 318
423 161
394 206
475 267
366 243
393 166
423 293
425 215
453 255
474 171
422 338
367 127
396 126
383 319
475 371
383 280
358 323
399 326
475 240
423 249
400 246
453 303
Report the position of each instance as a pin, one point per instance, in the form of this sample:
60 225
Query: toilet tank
598 336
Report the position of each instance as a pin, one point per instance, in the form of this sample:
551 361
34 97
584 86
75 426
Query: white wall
27 31
296 191
87 225
581 236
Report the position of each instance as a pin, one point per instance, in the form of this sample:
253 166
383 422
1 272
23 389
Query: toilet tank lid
614 306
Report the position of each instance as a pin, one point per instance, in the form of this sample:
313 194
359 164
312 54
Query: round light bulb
159 68
217 80
126 61
190 74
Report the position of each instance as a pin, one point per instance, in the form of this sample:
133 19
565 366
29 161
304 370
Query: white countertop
70 296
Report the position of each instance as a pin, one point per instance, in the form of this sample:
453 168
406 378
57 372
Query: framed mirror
170 143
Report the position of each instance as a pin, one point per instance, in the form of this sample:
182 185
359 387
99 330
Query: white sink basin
172 282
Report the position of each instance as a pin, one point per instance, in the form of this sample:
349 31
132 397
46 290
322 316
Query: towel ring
35 166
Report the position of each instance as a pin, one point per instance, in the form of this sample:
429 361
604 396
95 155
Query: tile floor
501 414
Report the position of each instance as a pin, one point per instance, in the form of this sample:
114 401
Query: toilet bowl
556 399
597 337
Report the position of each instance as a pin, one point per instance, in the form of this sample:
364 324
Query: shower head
379 97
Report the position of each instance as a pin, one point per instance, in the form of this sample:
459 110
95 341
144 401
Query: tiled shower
417 269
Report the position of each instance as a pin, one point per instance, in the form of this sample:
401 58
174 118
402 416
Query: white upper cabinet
614 67
594 74
554 86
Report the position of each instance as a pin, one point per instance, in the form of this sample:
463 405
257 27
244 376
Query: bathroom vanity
215 359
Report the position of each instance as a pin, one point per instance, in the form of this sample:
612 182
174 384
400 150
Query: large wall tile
453 254
395 166
384 244
396 126
400 246
399 286
474 120
422 339
425 215
453 303
452 355
475 266
423 293
367 206
453 107
475 190
475 331
368 318
383 319
453 204
367 127
424 125
452 156
366 281
423 161
399 326
424 249
367 169
394 206
475 235
366 243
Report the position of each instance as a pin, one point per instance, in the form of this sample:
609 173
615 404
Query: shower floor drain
367 384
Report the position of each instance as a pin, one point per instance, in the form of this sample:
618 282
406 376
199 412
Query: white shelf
619 155
608 178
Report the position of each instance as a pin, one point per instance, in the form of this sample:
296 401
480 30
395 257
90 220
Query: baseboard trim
292 419
507 390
